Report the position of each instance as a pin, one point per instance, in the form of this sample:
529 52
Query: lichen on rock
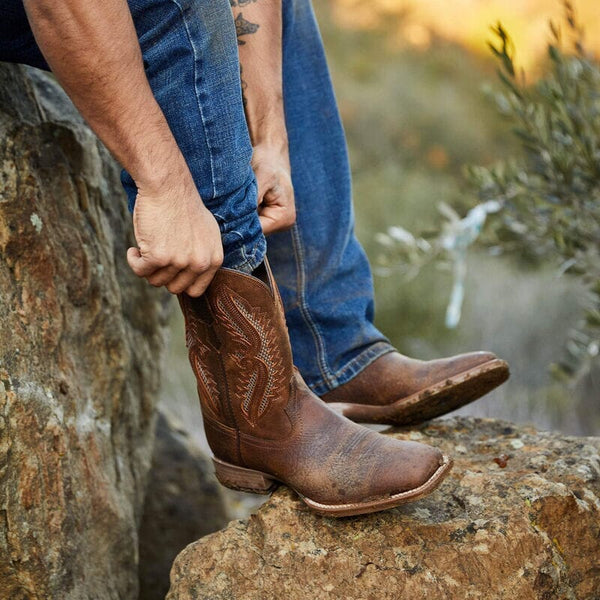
519 517
80 348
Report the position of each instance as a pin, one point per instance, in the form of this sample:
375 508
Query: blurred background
410 77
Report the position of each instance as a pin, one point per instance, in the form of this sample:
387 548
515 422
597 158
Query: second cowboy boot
402 391
264 425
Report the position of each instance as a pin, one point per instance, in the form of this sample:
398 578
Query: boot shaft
240 352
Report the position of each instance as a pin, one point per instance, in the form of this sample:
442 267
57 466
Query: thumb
262 187
138 264
260 194
267 224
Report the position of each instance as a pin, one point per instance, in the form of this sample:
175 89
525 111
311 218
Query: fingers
163 276
267 224
275 200
191 276
181 281
140 265
276 206
200 284
276 218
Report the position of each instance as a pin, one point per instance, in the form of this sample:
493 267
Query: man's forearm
93 50
259 30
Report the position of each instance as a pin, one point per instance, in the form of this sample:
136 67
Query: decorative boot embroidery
201 352
254 350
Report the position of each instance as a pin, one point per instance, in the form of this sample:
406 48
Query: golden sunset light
468 22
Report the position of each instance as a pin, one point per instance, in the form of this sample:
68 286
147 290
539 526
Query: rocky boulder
80 353
519 517
183 502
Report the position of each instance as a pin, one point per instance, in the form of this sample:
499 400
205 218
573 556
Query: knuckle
160 259
180 262
195 291
200 265
290 218
157 276
217 260
197 288
175 288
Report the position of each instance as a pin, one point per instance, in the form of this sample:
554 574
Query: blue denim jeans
191 60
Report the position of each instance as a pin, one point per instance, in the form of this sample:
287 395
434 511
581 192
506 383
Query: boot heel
243 480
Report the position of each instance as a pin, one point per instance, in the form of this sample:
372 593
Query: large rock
518 518
80 350
183 502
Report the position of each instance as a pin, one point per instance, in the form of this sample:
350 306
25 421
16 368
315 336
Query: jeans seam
305 311
207 137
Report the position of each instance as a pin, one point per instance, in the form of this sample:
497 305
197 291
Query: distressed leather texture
394 376
259 414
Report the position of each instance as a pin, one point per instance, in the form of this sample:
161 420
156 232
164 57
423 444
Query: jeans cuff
242 259
352 368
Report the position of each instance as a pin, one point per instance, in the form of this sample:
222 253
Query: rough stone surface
183 503
80 345
519 517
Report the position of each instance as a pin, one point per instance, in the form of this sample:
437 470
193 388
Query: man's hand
259 31
94 52
179 242
276 209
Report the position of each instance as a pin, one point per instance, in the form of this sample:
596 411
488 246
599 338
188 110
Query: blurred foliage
544 203
412 117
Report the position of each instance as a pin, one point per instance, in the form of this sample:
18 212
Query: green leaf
592 318
554 53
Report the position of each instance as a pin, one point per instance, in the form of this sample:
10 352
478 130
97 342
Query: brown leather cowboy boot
265 426
397 390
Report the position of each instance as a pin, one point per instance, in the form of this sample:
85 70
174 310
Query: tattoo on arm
244 87
244 27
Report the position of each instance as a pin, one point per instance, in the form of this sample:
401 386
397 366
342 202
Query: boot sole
248 480
434 401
